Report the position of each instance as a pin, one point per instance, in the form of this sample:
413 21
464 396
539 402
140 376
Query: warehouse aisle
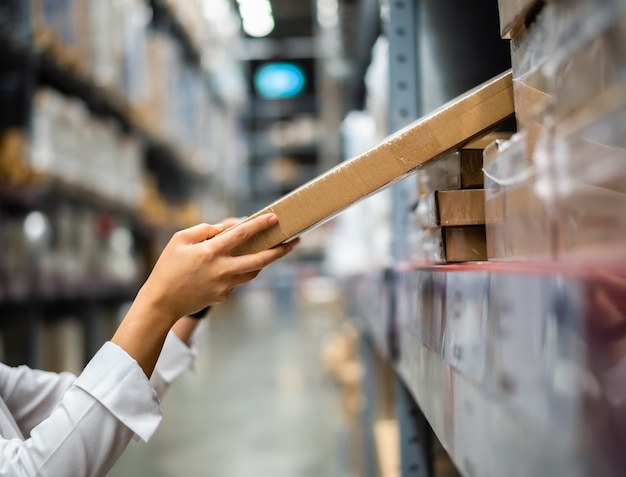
257 403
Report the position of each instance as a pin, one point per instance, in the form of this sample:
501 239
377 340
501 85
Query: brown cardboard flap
426 139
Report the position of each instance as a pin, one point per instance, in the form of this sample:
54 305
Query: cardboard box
471 168
513 14
465 244
462 169
590 179
494 206
587 66
450 245
423 141
531 47
461 207
570 54
449 208
517 208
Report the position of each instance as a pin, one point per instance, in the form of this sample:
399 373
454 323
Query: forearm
195 270
143 331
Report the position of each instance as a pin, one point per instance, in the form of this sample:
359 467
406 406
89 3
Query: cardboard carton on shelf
589 67
517 215
447 208
532 44
465 244
461 169
441 245
494 207
590 179
568 55
457 122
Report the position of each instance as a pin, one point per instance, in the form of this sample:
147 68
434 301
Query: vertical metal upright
416 444
405 107
367 356
403 103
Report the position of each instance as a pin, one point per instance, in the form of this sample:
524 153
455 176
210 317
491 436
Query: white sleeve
175 358
32 394
96 418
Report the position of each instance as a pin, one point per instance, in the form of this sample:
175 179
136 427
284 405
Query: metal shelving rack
39 67
510 364
27 302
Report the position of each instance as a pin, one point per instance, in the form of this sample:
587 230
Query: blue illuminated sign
279 80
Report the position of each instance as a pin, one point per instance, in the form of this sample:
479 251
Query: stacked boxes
590 180
451 209
424 141
517 217
82 150
562 179
114 46
61 26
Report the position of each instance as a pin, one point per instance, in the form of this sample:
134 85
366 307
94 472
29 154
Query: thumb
200 233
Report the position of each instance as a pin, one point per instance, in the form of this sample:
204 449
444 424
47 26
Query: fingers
230 221
238 235
199 233
246 277
257 261
249 268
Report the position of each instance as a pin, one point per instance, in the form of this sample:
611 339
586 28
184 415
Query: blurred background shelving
117 129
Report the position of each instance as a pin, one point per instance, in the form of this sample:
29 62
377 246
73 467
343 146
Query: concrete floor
257 404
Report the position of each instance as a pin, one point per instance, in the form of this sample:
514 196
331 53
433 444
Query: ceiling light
256 17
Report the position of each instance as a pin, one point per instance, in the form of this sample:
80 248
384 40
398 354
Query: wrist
148 306
198 315
142 333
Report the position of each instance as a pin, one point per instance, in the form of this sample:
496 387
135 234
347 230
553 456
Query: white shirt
62 425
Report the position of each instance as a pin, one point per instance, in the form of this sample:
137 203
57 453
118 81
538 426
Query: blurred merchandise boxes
557 191
90 37
115 46
590 179
517 216
62 27
569 53
69 250
62 345
69 144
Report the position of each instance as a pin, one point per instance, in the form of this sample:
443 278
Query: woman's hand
196 269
